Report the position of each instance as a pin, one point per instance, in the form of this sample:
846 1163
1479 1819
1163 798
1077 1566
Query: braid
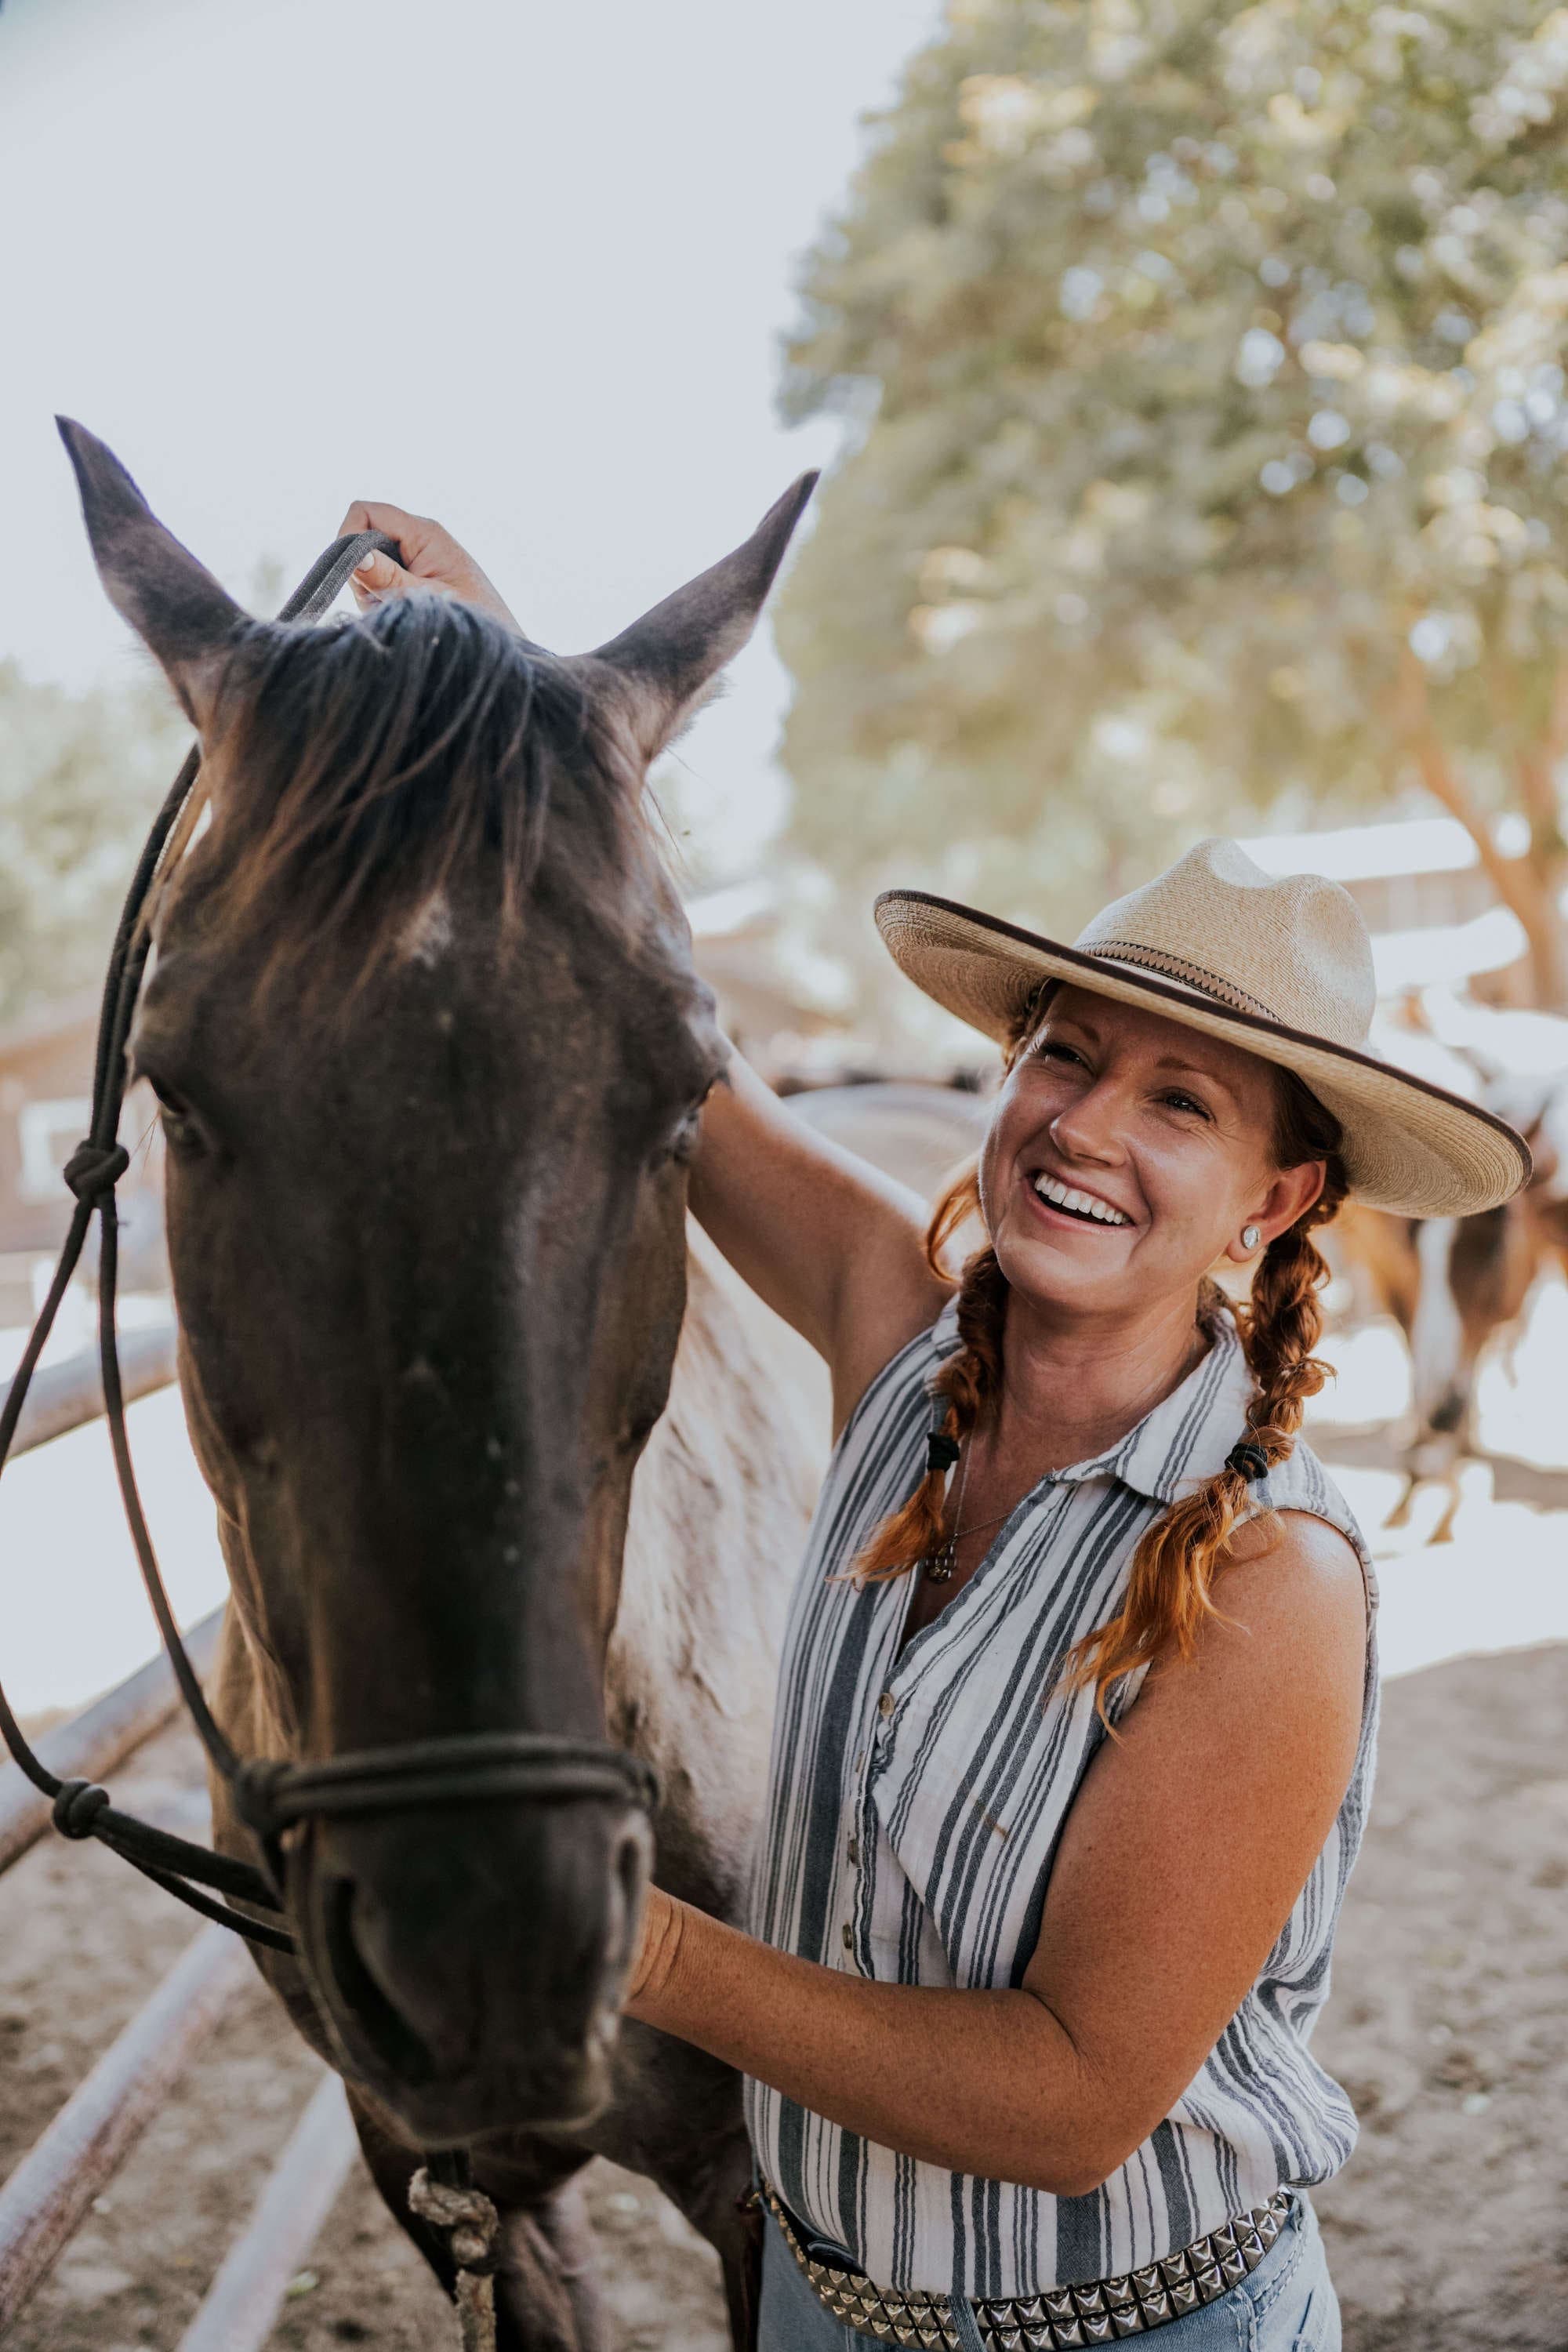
1170 1585
970 1381
1283 1324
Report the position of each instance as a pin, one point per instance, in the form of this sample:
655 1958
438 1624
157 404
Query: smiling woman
1078 1696
1028 2030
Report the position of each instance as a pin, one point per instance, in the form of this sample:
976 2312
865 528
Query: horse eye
181 1131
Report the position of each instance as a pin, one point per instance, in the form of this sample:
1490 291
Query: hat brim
1409 1147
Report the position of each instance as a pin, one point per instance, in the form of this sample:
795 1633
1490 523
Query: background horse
1455 1285
430 1054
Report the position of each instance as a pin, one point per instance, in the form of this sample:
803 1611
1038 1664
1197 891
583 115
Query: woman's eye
1187 1103
1051 1049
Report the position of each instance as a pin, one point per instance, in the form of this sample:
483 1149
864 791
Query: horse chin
562 2095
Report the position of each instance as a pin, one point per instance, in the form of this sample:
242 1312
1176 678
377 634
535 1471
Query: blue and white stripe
914 1809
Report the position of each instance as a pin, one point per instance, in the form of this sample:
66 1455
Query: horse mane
360 769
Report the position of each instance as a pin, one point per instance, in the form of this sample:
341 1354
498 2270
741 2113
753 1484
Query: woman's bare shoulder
1290 1575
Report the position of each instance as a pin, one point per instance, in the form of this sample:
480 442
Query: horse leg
1443 1530
678 2122
547 2299
1400 1515
714 2196
547 2292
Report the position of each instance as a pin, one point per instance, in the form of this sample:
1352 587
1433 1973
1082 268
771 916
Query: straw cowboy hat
1282 967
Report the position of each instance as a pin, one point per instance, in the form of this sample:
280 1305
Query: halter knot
467 2212
1249 1462
942 1451
95 1168
78 1804
255 1789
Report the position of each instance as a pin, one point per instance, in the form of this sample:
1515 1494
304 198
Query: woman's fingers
431 559
377 577
395 521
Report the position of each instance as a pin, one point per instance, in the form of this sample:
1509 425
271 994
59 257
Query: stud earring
1250 1237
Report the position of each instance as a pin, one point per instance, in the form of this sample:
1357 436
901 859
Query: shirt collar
1182 1444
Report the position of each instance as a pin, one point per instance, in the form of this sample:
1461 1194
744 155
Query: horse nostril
389 2034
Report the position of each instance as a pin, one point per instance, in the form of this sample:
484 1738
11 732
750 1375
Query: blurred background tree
1204 368
80 776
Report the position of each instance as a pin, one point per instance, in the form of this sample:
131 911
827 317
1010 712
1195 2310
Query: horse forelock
360 775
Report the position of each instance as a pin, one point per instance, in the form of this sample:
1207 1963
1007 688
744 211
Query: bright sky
521 268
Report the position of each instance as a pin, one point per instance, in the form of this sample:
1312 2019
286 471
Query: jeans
1287 2305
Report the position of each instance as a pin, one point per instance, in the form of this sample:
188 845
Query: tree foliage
1205 367
80 776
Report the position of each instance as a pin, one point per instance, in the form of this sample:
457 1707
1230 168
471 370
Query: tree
1205 367
80 776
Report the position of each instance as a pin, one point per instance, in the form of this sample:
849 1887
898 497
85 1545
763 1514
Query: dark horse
430 1051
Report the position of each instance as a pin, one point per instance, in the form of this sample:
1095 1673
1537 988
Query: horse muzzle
470 1965
466 1909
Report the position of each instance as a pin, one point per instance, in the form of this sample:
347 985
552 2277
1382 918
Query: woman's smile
1064 1203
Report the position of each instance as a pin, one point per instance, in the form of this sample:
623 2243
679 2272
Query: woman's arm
833 1245
1182 1857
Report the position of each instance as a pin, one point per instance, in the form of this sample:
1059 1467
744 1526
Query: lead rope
442 2194
81 1809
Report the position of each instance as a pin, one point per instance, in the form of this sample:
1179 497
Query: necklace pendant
941 1564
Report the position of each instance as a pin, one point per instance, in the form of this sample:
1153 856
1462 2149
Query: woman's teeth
1076 1204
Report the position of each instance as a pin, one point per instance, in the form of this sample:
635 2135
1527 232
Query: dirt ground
1448 2232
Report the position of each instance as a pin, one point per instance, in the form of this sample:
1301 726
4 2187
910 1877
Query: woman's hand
431 559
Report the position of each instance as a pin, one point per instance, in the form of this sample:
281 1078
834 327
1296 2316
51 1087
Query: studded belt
1102 2312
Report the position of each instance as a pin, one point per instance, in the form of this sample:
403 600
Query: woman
1078 1700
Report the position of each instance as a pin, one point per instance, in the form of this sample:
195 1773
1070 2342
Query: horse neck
720 1509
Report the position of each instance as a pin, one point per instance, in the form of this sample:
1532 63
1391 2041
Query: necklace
939 1564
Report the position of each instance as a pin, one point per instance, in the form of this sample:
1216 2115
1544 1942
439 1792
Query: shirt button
847 1933
886 1704
854 1851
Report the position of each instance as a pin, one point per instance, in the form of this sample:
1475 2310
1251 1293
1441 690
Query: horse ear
673 654
172 602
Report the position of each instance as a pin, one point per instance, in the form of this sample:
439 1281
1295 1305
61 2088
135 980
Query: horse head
429 1049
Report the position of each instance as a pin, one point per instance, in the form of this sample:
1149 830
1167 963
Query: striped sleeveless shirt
914 1809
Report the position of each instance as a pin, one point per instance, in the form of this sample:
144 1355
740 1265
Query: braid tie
1249 1462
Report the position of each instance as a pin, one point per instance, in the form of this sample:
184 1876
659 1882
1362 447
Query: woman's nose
1092 1126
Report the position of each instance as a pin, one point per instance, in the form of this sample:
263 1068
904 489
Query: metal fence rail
93 1743
64 1395
51 2189
300 2191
